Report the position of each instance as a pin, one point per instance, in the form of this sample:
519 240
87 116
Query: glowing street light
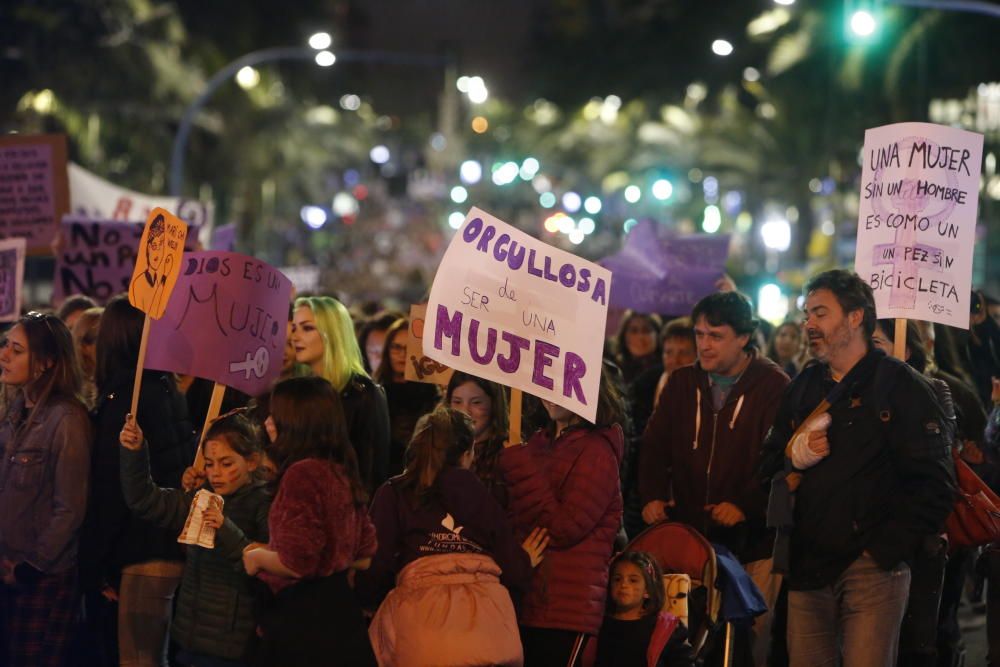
470 172
663 189
320 41
350 102
247 77
315 51
571 202
632 194
325 58
772 303
379 154
721 47
476 90
776 234
862 23
478 95
712 219
313 216
459 194
344 204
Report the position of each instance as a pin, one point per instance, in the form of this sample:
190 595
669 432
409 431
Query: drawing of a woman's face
154 244
154 253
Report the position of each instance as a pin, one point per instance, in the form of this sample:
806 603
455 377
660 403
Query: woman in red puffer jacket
565 479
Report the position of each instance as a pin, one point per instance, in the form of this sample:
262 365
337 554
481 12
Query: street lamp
721 47
320 41
324 58
862 23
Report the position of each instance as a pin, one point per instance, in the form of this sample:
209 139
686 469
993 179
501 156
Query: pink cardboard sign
34 190
226 321
97 257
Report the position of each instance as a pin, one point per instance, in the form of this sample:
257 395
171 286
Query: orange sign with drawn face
158 262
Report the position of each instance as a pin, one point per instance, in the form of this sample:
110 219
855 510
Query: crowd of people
367 519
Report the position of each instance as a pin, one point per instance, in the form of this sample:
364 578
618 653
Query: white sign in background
12 252
917 220
509 308
93 197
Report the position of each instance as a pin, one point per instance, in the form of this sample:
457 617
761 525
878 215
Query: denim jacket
44 475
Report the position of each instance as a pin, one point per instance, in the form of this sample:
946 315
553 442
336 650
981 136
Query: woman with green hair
323 337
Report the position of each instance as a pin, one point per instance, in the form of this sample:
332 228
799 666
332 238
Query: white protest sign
917 220
511 309
304 278
90 196
12 253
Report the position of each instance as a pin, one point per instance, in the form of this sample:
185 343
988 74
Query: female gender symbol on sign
257 364
909 198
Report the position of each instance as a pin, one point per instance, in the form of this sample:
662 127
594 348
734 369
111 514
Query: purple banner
665 275
224 238
97 257
226 321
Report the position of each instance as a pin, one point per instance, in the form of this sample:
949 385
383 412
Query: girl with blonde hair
323 338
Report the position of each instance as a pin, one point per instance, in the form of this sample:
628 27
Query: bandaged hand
810 445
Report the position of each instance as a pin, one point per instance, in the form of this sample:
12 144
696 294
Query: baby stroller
680 549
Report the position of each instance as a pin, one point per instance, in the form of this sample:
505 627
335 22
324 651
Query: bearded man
874 478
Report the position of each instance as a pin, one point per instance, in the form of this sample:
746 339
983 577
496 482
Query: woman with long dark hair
130 568
318 533
486 404
785 347
636 343
408 400
371 338
45 438
447 546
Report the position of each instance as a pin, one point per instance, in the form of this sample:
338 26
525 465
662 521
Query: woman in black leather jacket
323 337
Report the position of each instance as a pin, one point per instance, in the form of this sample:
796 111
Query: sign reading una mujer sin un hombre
917 220
506 307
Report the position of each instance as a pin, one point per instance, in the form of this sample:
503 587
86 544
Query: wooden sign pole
514 427
899 344
153 282
137 383
214 406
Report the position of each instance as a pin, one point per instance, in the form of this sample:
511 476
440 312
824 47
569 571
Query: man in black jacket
875 478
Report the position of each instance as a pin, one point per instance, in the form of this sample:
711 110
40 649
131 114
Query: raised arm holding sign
156 270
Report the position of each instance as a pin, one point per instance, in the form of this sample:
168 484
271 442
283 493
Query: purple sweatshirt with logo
460 517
